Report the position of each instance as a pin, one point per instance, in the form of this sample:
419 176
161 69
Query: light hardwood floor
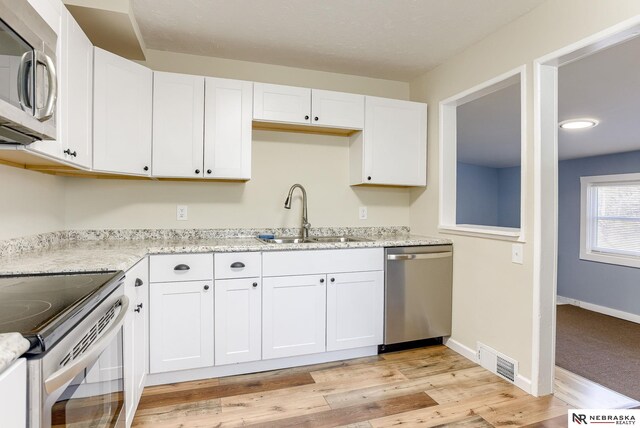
431 386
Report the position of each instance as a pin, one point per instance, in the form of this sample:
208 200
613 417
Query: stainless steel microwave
28 82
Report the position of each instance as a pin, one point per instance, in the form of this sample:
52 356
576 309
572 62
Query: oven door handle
63 376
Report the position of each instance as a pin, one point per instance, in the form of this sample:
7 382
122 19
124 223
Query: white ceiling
604 86
488 129
391 39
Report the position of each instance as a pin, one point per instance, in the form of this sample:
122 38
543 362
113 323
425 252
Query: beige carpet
600 348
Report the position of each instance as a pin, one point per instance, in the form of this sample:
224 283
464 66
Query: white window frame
449 153
587 224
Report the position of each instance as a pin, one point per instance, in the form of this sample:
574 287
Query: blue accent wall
509 197
612 286
488 196
476 195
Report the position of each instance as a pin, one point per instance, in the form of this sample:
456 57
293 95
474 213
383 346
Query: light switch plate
182 212
516 253
362 213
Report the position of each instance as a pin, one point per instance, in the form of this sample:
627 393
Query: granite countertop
12 346
75 254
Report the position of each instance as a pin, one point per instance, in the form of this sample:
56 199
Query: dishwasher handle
420 256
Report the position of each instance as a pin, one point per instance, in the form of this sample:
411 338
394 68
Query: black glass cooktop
44 307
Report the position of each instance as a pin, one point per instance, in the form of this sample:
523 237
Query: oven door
86 390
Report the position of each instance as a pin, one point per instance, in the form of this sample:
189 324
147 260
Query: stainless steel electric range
74 365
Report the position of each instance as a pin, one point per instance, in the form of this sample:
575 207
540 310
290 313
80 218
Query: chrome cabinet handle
24 71
237 265
46 112
67 373
182 266
419 256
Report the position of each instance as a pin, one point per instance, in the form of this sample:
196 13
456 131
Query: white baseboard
600 309
520 381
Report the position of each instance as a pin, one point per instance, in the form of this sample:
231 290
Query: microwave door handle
66 374
44 113
25 70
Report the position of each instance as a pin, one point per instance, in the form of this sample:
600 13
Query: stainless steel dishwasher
418 283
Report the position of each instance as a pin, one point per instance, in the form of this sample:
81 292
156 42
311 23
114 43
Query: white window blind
610 219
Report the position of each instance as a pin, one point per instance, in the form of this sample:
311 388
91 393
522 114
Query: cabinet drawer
237 265
180 267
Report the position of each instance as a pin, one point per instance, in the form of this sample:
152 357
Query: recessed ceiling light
578 123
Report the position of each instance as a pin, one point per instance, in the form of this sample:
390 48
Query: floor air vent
497 363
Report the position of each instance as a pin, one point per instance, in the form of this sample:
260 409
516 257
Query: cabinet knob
136 310
139 305
321 280
315 118
209 171
67 152
255 284
139 282
74 154
146 168
206 287
369 178
306 117
333 280
197 171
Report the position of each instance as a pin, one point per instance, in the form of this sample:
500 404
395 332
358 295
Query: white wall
493 298
32 203
318 162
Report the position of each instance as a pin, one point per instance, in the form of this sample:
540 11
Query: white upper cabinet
337 109
122 115
303 106
227 129
392 149
278 103
178 125
75 115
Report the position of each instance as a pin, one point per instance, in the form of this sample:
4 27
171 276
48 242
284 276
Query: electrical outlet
362 213
516 253
182 212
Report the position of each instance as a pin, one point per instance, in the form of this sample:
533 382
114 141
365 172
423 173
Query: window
610 219
481 144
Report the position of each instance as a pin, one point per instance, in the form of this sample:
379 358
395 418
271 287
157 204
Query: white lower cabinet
181 325
293 318
238 320
136 344
355 310
13 394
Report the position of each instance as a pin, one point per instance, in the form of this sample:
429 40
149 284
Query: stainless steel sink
332 239
286 240
315 239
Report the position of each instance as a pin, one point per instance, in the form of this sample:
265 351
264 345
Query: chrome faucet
305 221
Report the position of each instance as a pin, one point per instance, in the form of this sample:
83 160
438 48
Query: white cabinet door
394 143
337 109
355 310
13 394
122 115
178 125
136 344
238 320
293 315
180 325
227 130
278 103
75 116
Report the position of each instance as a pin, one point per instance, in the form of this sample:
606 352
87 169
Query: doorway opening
588 216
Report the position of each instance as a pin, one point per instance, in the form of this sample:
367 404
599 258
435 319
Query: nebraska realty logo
582 417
